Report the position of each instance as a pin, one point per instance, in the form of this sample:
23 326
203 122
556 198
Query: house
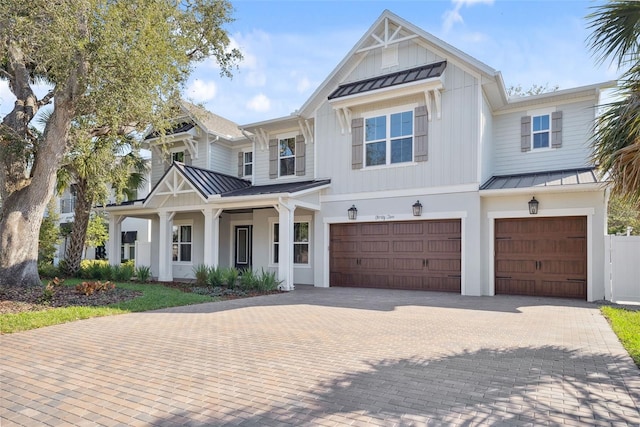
409 167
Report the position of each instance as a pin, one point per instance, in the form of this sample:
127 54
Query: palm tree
616 143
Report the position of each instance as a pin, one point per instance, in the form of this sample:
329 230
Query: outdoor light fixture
353 212
417 208
533 206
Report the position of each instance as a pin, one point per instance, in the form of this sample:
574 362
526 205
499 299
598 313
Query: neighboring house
132 229
408 167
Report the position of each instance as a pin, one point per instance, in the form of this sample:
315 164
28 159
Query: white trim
493 215
232 244
395 218
410 192
179 223
564 188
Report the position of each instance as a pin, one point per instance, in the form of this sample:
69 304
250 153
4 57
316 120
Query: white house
409 167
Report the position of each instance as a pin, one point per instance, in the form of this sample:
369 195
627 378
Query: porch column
115 236
165 259
285 248
211 236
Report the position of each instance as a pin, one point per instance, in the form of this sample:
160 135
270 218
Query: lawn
154 296
626 324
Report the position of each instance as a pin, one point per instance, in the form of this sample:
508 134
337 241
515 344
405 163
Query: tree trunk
78 235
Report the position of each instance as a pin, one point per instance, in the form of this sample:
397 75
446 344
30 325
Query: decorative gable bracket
344 117
192 147
386 39
437 101
262 137
306 130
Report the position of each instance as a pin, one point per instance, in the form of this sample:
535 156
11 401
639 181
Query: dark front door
243 238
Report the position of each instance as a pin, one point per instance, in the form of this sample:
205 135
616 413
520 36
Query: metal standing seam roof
177 128
400 77
290 187
209 182
542 179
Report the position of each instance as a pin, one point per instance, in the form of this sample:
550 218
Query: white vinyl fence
622 269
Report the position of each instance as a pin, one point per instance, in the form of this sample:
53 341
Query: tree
49 236
97 231
118 66
516 91
616 143
95 167
623 214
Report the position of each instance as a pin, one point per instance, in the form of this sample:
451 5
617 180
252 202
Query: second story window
540 130
389 139
248 163
287 156
177 156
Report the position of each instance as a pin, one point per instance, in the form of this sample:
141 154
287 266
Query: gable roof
211 122
288 187
388 80
208 182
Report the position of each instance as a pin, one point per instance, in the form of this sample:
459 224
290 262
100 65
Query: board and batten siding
452 143
486 139
577 122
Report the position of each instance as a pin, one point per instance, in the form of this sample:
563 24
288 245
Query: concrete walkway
326 357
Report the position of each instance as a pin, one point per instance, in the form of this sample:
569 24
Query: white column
115 236
211 236
285 248
165 264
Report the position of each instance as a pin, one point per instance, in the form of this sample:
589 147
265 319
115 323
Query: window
248 163
181 248
540 129
389 139
300 242
287 156
177 156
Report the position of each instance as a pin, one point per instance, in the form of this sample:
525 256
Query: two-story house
409 167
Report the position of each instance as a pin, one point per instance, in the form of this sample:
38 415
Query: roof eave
547 189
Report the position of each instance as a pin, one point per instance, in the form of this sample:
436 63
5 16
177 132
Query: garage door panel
415 246
541 256
400 255
374 246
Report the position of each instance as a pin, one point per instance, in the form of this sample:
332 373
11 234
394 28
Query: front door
243 246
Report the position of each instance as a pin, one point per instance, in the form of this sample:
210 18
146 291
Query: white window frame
175 151
388 112
181 224
272 242
280 138
538 113
245 163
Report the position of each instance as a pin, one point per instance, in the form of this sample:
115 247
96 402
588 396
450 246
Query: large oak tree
117 64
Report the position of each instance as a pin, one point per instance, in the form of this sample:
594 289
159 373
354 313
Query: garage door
422 255
541 256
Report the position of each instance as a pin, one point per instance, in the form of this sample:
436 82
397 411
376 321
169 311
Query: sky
290 47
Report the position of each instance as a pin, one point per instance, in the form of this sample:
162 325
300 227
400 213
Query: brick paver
326 357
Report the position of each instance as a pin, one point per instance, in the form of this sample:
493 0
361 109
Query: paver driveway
326 357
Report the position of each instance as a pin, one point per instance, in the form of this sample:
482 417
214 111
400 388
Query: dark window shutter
421 134
240 164
273 158
525 133
300 155
357 138
556 129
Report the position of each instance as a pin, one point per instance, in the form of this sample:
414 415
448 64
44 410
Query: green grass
154 297
626 325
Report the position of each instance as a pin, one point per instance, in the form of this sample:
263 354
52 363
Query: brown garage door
421 255
541 256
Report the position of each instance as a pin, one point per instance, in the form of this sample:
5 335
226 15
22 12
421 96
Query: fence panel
624 265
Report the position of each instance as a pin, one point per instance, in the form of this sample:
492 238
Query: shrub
201 272
47 270
268 281
89 288
122 273
230 277
143 273
129 263
249 280
214 277
97 269
49 290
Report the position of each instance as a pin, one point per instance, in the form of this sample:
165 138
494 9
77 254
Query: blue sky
290 47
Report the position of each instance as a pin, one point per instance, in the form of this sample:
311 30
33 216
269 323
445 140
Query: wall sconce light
352 212
417 208
533 206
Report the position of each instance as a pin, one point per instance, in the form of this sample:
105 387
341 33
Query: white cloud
202 91
259 103
453 16
303 84
255 79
